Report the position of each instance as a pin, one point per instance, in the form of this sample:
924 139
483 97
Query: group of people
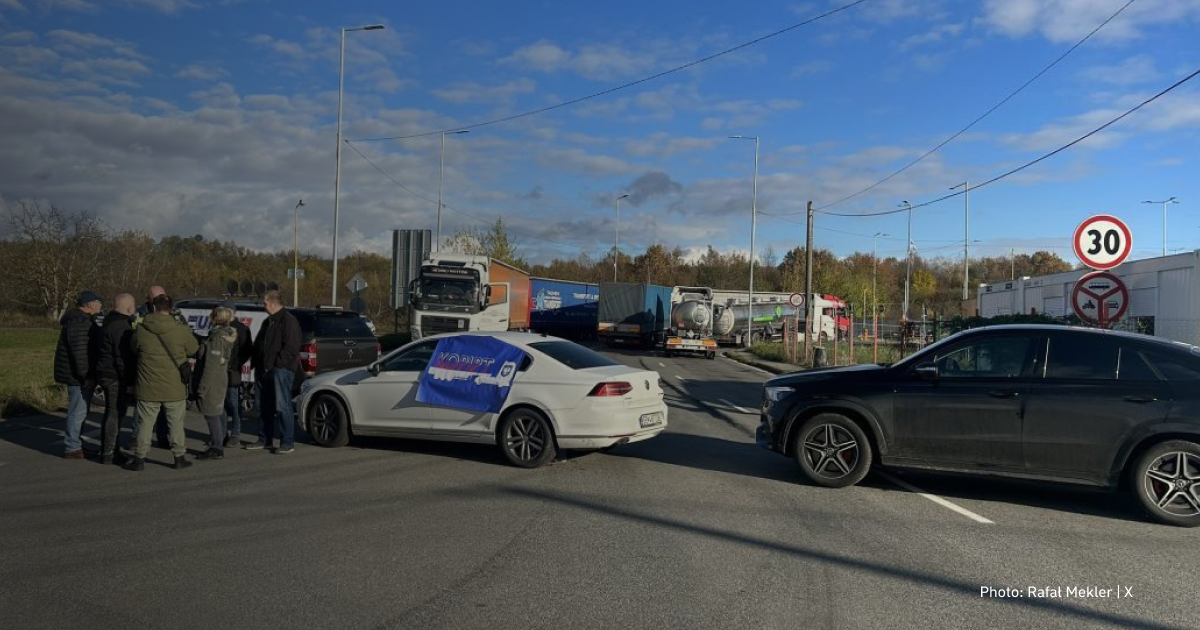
138 356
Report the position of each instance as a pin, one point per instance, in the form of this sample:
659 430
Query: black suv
332 338
1046 402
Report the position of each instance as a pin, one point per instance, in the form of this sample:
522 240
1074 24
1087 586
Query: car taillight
308 358
378 349
611 389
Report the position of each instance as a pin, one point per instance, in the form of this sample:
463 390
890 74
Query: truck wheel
712 356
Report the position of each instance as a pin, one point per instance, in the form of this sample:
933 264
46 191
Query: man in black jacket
116 371
276 359
233 397
73 366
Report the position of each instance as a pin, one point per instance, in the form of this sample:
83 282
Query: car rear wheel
1167 482
526 438
328 423
832 451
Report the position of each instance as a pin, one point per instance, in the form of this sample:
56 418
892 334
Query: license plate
651 419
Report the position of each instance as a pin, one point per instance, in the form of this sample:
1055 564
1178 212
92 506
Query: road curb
762 364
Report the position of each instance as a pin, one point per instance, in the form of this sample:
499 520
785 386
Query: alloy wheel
525 438
1173 483
831 450
322 422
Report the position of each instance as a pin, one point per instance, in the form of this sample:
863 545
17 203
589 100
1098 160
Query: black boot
136 464
212 453
106 458
181 462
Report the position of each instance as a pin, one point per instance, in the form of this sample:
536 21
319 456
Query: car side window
1175 368
1132 366
995 357
413 359
1093 358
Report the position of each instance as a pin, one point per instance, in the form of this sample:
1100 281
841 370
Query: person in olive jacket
232 419
116 372
73 366
276 359
162 345
217 352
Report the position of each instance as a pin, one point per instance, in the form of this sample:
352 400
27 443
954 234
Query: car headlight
777 393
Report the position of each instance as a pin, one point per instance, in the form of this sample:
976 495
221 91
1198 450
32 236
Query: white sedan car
563 396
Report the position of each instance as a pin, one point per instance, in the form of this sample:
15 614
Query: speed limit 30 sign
1102 242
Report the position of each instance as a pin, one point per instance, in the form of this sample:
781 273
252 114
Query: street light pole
337 177
296 259
1164 203
874 300
908 264
753 230
966 186
617 242
441 176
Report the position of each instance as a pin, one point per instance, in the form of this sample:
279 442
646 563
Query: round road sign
796 300
1102 242
1100 298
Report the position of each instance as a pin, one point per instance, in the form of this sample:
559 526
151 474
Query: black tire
667 354
1166 482
525 438
712 356
832 451
328 422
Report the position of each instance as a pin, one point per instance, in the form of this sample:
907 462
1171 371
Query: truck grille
432 325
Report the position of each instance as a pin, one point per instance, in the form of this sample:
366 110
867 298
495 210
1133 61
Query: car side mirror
374 369
926 371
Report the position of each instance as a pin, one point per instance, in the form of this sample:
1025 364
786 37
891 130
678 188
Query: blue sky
184 117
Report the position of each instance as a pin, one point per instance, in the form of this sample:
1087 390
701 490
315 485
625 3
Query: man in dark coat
233 397
73 366
276 360
116 371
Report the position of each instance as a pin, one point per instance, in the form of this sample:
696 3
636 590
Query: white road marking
661 364
741 409
680 377
936 499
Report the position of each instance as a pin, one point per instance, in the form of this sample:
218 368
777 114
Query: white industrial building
1164 295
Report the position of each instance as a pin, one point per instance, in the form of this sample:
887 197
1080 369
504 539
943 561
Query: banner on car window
470 372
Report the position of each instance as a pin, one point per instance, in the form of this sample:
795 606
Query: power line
1027 164
625 86
985 114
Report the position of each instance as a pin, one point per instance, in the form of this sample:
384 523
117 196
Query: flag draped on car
470 372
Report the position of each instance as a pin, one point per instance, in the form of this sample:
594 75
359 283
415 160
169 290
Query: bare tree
59 255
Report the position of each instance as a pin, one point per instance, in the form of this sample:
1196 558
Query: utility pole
808 291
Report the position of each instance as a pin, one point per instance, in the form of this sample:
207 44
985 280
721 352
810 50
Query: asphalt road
697 528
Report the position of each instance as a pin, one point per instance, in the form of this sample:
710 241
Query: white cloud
202 72
936 35
67 5
598 62
470 92
580 161
1066 21
15 5
810 68
1132 71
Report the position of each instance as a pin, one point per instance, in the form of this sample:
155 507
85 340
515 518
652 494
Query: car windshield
449 290
572 355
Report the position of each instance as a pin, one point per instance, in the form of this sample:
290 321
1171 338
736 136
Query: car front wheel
526 438
832 451
328 422
1167 482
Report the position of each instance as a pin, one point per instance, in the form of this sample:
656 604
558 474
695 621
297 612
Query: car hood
865 371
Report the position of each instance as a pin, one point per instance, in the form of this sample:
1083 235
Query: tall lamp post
617 242
753 229
337 177
296 259
874 300
1164 203
966 186
908 264
441 176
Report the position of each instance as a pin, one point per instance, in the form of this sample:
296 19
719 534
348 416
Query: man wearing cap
73 362
233 398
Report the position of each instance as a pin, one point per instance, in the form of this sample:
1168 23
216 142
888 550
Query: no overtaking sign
1100 298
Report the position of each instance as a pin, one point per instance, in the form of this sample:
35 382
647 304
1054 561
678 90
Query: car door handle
1002 393
1140 399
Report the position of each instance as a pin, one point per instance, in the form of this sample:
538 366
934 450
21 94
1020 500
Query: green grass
863 353
27 372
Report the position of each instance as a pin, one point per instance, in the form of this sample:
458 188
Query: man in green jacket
161 344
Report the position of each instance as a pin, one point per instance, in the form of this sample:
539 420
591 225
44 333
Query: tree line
49 255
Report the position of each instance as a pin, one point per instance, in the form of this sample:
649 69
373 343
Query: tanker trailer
691 322
732 323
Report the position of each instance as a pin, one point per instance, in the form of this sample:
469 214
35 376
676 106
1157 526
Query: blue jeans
79 399
276 408
232 418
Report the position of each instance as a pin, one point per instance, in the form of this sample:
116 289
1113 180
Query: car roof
210 302
514 337
1085 331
